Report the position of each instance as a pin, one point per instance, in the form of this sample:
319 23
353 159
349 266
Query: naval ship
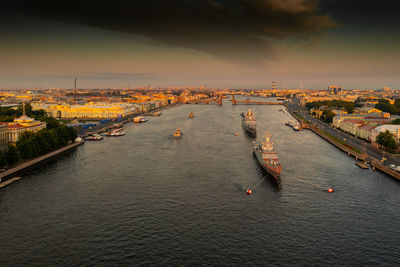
267 156
249 123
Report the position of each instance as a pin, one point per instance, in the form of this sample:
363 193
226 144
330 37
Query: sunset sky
214 43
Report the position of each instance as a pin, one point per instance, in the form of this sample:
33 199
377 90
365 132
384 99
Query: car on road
398 168
392 166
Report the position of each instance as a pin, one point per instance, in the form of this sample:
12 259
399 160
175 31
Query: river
149 199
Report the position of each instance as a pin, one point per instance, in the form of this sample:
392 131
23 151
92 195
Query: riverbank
32 162
351 151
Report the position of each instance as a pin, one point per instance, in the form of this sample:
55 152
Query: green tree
12 155
39 113
53 139
72 134
25 149
396 121
3 159
387 140
349 108
52 123
385 106
43 142
327 115
25 136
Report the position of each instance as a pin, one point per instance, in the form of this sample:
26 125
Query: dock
8 182
362 165
377 165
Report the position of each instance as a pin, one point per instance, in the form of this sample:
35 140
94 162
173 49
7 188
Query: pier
377 165
8 182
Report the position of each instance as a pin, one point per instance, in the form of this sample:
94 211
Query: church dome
24 118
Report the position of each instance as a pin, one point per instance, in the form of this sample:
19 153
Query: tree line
8 114
327 114
385 106
347 105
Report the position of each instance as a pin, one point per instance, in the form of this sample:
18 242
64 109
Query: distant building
90 110
351 126
22 124
318 111
364 131
3 137
382 117
334 89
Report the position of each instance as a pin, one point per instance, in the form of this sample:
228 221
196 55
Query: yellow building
23 124
90 110
367 110
3 137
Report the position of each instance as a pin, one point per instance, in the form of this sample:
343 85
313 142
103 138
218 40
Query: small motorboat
177 133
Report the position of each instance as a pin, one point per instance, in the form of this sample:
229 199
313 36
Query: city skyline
223 44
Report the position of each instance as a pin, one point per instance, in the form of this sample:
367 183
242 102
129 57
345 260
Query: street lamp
383 157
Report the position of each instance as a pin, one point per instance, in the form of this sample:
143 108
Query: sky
211 43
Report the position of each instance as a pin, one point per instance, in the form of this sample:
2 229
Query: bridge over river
218 101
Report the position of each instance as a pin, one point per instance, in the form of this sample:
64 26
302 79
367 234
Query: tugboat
267 156
191 115
177 133
249 123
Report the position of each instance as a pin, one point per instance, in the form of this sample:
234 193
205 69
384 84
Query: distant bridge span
218 101
248 102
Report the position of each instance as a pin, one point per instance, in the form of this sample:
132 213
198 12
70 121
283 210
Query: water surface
147 198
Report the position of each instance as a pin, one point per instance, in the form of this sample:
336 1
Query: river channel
149 199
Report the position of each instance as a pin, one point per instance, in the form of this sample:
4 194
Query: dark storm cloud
363 11
235 30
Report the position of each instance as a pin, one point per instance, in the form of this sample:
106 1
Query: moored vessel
156 114
94 137
116 134
117 125
295 125
249 123
267 156
139 119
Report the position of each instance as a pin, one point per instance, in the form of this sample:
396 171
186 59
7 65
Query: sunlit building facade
90 110
3 137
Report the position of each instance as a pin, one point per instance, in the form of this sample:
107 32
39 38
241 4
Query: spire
23 108
75 91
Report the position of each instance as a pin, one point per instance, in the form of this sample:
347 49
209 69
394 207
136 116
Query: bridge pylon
219 103
233 100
